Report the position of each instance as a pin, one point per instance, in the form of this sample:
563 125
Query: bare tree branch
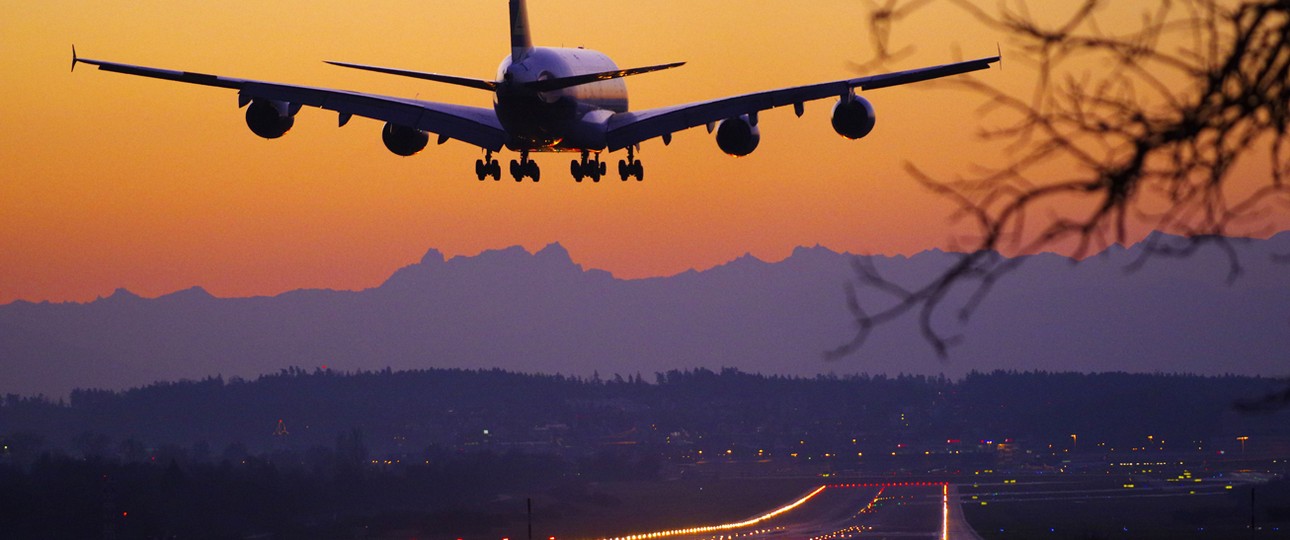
1150 137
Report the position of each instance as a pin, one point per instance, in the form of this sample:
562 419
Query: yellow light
945 512
727 526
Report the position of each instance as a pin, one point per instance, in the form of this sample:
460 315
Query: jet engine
738 136
403 140
270 119
853 117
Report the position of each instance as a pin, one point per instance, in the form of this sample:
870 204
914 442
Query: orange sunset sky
116 181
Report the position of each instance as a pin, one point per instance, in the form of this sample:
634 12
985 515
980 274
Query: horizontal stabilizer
547 85
450 79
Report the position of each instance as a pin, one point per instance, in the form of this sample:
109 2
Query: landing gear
525 167
488 167
587 168
631 166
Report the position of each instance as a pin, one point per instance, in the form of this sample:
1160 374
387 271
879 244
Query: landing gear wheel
631 166
487 167
587 167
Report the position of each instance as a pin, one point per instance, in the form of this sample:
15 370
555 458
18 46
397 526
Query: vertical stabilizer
521 42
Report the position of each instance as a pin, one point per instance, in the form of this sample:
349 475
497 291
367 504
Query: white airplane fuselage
567 119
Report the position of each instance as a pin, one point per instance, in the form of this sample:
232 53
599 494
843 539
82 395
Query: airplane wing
475 125
627 129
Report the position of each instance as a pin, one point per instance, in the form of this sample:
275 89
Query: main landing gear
631 166
488 167
588 166
525 167
584 168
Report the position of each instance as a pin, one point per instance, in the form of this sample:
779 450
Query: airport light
945 512
1074 441
1243 438
724 527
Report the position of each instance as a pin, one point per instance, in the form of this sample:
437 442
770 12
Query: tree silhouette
1150 137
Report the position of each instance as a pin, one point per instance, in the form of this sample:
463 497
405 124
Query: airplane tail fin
521 41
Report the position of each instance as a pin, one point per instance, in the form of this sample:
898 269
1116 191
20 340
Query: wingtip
998 53
74 57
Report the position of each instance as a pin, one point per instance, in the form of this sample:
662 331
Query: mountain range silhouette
542 312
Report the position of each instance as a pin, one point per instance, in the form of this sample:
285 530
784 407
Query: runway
916 510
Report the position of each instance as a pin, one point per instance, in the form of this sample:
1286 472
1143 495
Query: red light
123 514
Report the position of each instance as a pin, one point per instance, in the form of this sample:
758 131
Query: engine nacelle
403 140
853 117
738 136
269 119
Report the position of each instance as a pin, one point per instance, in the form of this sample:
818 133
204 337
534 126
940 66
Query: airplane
547 99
